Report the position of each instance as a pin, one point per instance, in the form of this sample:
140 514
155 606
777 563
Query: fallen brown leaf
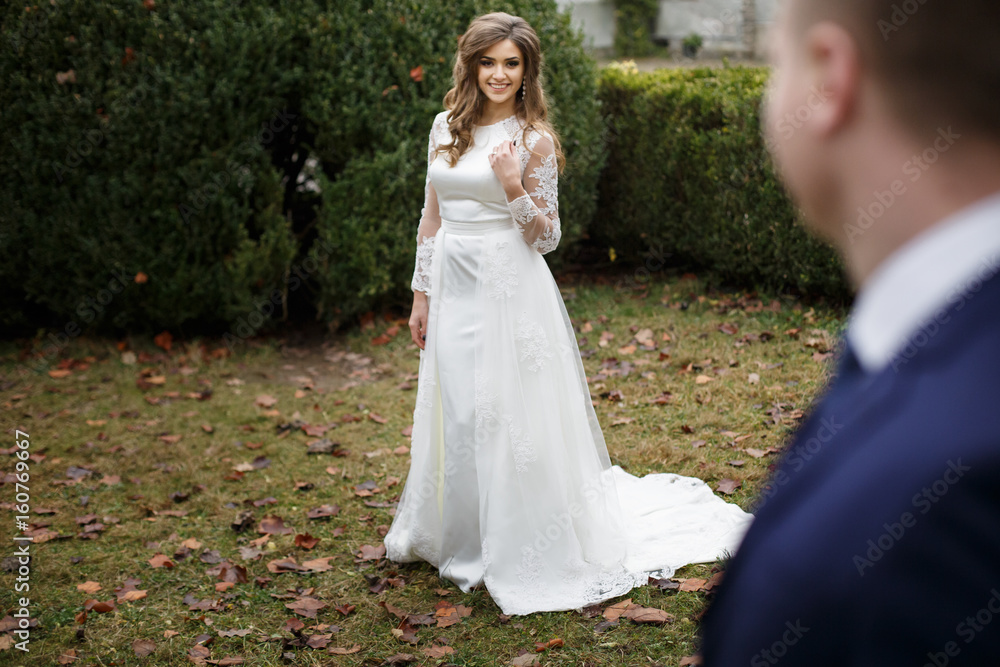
143 647
306 606
613 612
160 560
728 486
641 614
306 541
368 552
89 587
438 651
692 585
337 650
274 525
265 401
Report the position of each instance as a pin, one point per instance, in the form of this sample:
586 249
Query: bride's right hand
418 319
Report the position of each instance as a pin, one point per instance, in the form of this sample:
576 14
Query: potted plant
691 44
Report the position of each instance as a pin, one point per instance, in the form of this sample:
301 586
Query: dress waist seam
478 227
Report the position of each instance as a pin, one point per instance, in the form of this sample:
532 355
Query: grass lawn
144 462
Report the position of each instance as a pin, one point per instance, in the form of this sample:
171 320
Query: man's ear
834 71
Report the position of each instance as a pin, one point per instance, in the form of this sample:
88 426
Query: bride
510 482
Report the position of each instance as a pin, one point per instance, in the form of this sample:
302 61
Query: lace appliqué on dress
425 388
521 446
547 188
488 571
501 274
523 210
439 131
532 342
425 545
548 240
487 560
525 143
421 281
486 410
514 131
529 569
418 544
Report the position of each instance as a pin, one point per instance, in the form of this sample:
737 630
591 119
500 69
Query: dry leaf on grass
143 647
337 650
613 612
692 585
728 486
306 606
160 560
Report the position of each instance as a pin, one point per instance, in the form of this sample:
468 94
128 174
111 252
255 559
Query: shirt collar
920 280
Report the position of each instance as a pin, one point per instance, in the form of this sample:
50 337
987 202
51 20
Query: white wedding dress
510 482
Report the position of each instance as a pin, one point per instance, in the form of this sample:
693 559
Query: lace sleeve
430 218
537 212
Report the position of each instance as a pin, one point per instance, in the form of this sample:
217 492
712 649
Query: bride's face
501 70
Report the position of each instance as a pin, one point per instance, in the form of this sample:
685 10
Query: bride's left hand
505 163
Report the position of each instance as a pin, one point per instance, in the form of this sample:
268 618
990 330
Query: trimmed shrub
137 187
688 173
163 163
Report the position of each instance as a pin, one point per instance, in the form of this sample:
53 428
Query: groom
877 540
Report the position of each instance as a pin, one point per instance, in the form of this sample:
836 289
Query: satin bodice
470 191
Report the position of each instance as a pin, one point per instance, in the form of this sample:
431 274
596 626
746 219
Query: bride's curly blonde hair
465 101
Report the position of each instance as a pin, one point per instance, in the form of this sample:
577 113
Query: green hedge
135 147
687 172
177 144
204 168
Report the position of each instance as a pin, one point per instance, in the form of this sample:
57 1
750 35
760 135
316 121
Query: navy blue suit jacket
877 540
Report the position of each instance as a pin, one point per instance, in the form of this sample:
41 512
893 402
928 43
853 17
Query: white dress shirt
903 303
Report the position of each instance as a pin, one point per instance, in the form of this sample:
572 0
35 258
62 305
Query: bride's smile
500 75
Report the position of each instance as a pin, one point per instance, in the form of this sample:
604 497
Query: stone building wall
726 25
